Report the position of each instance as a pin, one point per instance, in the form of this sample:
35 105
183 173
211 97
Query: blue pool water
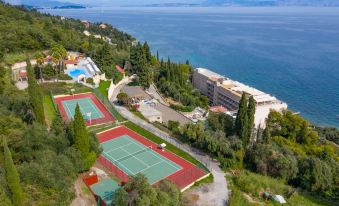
292 53
76 72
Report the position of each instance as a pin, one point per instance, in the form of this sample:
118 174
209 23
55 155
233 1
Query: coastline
312 115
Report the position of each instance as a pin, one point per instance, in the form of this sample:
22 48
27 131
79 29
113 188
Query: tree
35 96
57 124
58 53
12 176
81 139
147 52
123 98
80 133
40 60
250 119
241 120
120 197
315 175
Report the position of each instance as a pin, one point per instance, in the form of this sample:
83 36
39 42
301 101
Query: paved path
215 193
153 91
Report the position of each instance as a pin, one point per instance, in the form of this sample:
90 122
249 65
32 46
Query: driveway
215 193
167 112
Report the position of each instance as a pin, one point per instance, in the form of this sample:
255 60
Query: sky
128 2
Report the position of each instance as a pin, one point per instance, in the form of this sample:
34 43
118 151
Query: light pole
72 91
89 115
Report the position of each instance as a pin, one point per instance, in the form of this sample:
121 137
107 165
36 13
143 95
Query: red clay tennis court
183 174
93 111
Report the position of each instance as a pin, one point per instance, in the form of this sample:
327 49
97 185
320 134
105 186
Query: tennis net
134 154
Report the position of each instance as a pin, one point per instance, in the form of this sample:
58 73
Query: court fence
113 168
107 104
52 98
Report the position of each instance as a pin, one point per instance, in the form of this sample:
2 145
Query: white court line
95 108
117 148
142 162
118 164
70 113
160 157
149 167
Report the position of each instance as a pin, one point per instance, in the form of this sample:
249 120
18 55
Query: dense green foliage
141 193
288 149
329 133
12 176
81 138
46 159
244 121
35 96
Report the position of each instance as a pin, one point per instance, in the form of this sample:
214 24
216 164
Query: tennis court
93 111
86 107
133 158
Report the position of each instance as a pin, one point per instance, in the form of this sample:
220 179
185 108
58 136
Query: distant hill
271 3
45 4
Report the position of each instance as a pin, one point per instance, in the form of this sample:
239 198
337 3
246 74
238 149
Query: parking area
167 112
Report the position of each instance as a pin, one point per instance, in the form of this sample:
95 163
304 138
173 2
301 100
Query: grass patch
103 87
58 88
169 146
254 184
12 58
206 180
102 94
49 109
85 190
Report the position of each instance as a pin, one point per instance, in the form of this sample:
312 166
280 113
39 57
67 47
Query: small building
85 23
218 109
103 26
97 36
87 33
19 70
150 113
278 198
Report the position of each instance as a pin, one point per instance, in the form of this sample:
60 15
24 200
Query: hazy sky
126 2
129 2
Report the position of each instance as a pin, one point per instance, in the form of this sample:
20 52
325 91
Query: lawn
49 109
101 93
169 146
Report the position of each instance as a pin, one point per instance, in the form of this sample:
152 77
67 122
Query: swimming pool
74 73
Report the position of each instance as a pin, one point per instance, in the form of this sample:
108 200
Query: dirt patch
83 195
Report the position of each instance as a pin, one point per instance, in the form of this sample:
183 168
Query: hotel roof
237 87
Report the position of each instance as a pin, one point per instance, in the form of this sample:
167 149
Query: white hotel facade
227 93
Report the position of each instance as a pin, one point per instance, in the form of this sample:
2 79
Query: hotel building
227 93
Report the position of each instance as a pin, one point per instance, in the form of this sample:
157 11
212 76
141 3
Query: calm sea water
292 53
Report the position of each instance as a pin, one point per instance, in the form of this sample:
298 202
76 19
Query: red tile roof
122 71
71 62
23 73
218 109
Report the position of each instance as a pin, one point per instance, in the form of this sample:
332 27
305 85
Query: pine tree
35 96
250 118
12 177
147 52
57 124
80 133
241 120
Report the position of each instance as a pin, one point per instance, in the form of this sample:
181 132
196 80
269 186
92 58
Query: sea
289 52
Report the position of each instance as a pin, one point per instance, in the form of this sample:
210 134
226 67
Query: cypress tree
80 133
241 119
147 52
12 177
250 118
35 96
157 55
57 124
